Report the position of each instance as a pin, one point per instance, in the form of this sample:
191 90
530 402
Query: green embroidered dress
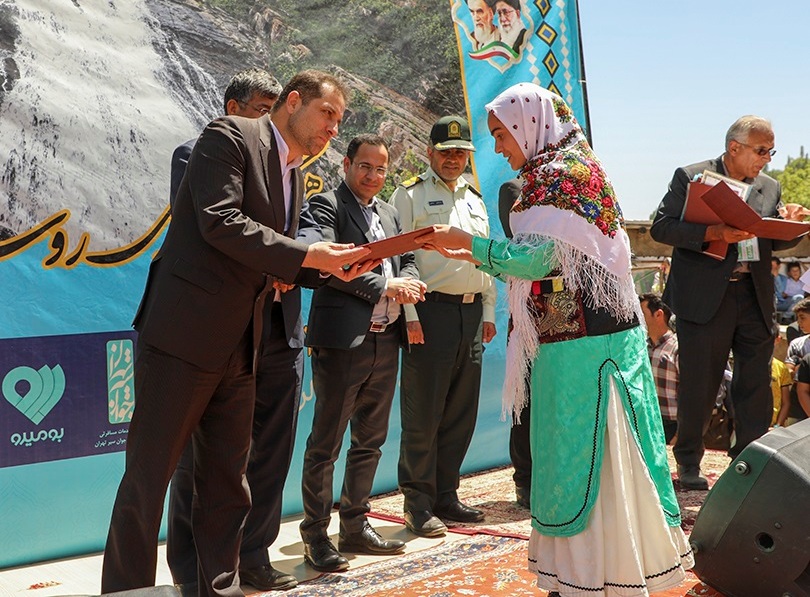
569 393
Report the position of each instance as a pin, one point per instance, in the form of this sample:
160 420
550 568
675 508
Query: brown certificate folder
696 211
737 213
395 245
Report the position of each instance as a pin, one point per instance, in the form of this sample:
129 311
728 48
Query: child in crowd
797 350
781 381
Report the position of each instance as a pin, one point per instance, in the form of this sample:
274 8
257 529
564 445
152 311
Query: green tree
795 181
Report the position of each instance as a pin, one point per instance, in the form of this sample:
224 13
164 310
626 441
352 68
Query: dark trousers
441 380
670 429
175 401
703 351
354 385
278 392
520 449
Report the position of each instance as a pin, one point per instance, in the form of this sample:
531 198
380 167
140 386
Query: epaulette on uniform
411 182
476 191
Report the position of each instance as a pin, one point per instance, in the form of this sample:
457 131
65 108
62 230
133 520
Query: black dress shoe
523 497
267 578
458 512
322 555
690 478
424 524
369 541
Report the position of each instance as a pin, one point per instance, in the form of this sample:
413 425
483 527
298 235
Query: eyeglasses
505 12
260 109
760 151
367 169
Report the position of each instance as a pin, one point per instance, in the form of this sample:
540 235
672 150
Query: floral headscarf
561 169
566 198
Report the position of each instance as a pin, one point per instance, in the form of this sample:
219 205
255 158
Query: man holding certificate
722 302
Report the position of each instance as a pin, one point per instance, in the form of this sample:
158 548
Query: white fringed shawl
595 264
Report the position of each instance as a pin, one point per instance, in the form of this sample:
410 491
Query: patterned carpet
493 560
494 492
490 561
477 566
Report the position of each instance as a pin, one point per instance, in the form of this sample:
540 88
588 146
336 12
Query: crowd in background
790 370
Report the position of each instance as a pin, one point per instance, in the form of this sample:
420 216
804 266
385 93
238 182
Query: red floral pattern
571 179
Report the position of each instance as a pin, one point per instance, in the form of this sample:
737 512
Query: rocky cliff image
96 94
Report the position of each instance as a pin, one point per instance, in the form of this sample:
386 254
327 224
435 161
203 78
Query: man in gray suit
200 323
355 330
722 305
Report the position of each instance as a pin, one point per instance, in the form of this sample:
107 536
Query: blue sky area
666 79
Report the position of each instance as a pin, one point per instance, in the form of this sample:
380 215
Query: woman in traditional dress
605 521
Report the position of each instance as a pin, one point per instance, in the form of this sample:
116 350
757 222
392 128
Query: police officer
441 375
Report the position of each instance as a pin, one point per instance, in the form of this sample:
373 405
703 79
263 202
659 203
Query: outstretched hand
341 260
449 241
461 254
444 236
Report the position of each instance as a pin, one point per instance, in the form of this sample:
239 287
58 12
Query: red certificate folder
696 211
395 245
737 213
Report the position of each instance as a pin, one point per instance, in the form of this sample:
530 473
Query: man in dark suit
200 325
251 93
722 305
355 330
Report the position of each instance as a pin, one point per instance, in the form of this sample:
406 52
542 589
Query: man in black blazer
251 93
200 325
355 330
722 305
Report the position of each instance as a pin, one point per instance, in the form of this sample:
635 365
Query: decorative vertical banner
504 42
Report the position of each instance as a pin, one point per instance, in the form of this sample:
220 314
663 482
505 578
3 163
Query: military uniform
441 378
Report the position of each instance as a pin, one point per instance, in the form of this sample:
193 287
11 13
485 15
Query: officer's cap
451 132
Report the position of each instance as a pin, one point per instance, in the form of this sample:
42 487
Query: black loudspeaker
752 535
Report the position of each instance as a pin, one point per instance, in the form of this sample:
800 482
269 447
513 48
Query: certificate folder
396 245
737 213
696 211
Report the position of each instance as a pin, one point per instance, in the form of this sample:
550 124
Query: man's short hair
365 139
803 306
745 125
249 82
792 264
513 3
654 303
310 85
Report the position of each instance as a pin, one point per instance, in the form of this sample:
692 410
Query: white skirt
627 549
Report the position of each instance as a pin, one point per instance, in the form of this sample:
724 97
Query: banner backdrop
94 96
502 46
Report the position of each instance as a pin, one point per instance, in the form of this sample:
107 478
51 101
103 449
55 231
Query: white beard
483 36
510 37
